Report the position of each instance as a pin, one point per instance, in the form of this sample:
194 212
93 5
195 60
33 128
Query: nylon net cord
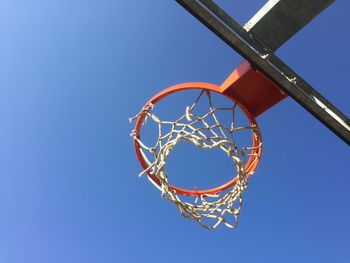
209 210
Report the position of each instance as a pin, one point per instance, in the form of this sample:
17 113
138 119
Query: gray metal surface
279 20
263 59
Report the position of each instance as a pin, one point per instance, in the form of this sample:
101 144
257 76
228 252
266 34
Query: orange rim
250 166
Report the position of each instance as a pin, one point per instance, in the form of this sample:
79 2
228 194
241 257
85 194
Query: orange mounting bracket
252 89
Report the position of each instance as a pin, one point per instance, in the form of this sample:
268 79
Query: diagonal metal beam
264 60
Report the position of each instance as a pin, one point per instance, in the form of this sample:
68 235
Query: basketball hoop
209 207
259 83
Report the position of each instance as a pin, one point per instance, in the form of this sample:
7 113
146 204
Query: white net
204 131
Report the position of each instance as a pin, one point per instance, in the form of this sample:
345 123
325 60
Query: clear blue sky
72 72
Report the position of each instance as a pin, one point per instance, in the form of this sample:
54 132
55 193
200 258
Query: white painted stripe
260 14
330 112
